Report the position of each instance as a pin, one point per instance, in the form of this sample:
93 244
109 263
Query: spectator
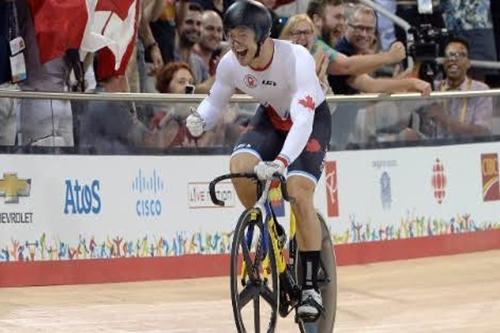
459 116
361 31
299 29
9 107
43 122
209 47
163 30
174 78
328 17
188 34
151 11
338 63
110 127
343 120
359 39
146 58
471 20
167 125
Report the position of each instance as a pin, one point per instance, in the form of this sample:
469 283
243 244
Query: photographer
471 20
457 117
462 117
359 38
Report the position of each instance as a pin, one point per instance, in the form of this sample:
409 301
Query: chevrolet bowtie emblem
12 187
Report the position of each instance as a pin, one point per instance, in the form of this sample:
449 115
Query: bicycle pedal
309 318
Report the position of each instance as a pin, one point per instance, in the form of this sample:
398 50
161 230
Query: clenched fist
195 124
396 53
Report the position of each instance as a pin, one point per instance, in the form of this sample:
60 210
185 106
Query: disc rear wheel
327 281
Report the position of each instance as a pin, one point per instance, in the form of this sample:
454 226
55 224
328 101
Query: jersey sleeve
330 52
211 108
307 96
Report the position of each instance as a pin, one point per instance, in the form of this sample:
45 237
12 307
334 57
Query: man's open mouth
241 53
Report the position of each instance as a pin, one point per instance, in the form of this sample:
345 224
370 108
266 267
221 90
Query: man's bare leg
245 188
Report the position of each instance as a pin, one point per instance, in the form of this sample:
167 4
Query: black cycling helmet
250 14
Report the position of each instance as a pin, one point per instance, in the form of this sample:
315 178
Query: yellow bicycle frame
273 234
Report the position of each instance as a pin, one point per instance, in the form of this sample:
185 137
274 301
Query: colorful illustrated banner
84 207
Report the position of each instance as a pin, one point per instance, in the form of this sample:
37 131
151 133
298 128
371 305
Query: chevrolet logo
12 187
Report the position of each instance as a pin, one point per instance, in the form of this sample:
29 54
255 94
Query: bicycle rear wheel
254 277
327 280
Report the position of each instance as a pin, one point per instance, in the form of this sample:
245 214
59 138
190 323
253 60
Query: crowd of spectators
175 48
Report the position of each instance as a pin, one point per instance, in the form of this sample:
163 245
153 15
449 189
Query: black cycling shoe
311 306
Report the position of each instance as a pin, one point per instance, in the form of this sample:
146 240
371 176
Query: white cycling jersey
288 87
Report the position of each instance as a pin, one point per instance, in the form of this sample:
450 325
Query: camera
189 89
427 41
424 46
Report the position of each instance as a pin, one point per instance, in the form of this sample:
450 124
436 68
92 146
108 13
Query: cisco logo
149 187
82 198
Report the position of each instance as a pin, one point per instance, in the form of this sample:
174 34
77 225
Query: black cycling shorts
265 141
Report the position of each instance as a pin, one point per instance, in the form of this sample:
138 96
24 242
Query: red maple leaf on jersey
308 102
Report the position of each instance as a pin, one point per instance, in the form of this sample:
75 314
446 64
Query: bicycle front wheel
254 277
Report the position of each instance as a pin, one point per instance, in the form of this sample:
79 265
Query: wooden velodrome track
458 293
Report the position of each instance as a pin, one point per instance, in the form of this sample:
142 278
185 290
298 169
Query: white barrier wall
76 207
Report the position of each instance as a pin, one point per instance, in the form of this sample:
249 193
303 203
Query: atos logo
82 198
149 187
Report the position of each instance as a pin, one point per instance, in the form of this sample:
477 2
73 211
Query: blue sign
82 198
149 187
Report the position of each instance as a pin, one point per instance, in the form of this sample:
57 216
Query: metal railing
364 121
237 98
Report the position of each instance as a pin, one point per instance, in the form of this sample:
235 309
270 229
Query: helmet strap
259 44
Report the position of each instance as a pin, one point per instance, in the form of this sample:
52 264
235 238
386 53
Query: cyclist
290 130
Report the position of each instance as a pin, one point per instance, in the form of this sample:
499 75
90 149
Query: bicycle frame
270 228
264 205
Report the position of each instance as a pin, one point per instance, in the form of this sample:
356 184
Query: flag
114 25
86 25
59 26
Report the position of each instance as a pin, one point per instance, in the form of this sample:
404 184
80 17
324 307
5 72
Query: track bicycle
264 281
